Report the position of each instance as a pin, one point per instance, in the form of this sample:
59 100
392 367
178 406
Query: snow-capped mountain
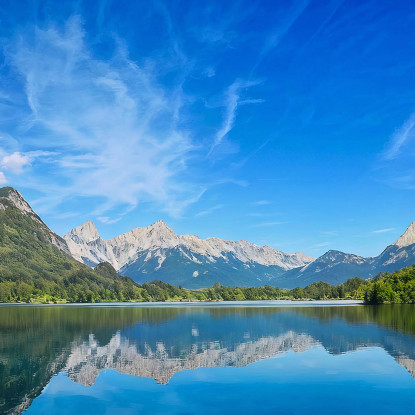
157 252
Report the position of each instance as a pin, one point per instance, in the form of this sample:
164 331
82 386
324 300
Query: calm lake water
230 359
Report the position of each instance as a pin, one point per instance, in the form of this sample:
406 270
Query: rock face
408 238
16 199
10 197
157 252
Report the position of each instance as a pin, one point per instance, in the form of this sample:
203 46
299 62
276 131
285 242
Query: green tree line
393 288
104 285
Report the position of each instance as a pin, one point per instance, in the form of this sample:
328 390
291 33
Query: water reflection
39 342
160 363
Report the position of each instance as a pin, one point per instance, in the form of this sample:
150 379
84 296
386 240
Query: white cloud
320 245
110 128
208 211
231 102
402 136
15 162
330 233
210 72
66 215
396 163
261 202
266 224
107 220
3 179
288 18
40 153
260 214
384 230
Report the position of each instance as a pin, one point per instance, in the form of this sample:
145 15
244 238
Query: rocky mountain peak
333 253
333 256
408 237
87 232
160 224
159 229
13 196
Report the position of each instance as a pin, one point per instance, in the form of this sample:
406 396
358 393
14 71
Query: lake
261 357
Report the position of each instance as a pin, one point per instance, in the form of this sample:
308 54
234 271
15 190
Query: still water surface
233 359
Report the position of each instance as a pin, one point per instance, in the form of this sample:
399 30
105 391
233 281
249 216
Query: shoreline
207 304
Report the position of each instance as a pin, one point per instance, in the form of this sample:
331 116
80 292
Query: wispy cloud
232 100
395 165
261 203
402 136
252 154
274 38
261 214
375 232
107 220
320 245
66 215
208 211
330 233
266 224
111 126
384 230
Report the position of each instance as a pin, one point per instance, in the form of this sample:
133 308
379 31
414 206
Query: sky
285 123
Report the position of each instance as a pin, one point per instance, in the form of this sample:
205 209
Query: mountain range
157 252
336 267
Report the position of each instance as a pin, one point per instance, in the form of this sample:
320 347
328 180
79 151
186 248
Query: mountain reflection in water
37 343
88 359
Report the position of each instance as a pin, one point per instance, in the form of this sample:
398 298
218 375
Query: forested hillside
395 287
33 268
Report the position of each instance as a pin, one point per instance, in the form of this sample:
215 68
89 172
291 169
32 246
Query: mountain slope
35 262
336 267
398 255
157 252
10 197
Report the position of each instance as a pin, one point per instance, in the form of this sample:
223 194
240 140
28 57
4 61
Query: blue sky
287 123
